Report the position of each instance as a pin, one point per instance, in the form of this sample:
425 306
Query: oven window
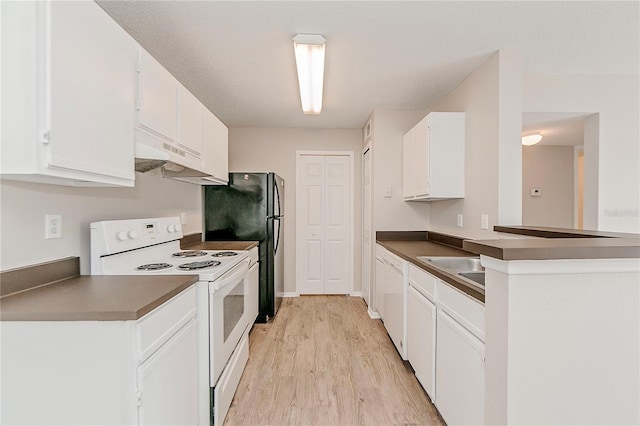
233 307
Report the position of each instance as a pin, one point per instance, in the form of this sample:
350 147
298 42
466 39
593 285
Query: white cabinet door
420 158
433 164
381 272
190 112
68 111
460 377
394 318
421 339
157 98
167 382
215 139
407 164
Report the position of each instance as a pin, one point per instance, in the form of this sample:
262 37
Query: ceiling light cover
309 50
531 139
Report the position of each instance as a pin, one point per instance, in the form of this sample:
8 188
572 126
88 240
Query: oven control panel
115 236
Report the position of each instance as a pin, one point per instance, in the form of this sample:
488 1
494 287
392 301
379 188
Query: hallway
323 361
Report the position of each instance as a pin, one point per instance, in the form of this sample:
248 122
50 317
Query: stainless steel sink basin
454 264
474 276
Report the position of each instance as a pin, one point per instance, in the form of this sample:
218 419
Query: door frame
367 147
351 233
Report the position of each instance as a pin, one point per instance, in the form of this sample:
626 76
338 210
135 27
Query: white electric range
152 247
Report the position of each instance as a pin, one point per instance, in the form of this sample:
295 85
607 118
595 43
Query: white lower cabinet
253 292
421 339
445 340
459 373
103 372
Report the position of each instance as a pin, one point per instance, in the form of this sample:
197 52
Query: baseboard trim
290 294
356 294
372 314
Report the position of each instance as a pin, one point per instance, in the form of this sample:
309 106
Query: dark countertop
556 248
222 245
557 243
410 250
94 298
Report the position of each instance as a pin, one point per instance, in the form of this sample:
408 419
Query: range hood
149 159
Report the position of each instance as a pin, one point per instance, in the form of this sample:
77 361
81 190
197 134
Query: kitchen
497 91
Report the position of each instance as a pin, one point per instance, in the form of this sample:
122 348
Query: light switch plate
52 226
183 218
459 220
387 191
484 221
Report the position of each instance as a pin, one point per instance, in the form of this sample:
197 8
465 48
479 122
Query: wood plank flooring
323 361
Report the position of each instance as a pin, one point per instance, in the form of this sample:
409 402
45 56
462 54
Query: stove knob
178 228
171 229
132 234
122 235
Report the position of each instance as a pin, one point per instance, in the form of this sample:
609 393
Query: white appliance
152 247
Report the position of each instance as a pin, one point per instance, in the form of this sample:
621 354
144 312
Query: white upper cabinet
68 95
157 98
172 119
433 158
190 112
215 146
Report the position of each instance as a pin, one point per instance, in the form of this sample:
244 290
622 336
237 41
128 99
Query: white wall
551 169
254 149
612 140
491 100
393 213
24 206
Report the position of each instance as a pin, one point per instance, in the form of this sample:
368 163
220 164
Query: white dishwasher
393 283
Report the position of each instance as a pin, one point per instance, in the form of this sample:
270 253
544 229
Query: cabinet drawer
155 328
466 311
424 282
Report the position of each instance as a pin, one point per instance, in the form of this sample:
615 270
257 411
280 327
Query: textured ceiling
237 56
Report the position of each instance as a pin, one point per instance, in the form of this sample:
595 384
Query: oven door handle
232 276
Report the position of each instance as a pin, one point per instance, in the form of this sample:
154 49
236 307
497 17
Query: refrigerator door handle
275 250
277 192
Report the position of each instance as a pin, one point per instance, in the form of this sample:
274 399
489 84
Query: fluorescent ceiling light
309 49
531 139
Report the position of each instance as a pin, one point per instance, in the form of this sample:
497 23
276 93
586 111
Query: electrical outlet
459 220
52 226
536 192
484 221
183 218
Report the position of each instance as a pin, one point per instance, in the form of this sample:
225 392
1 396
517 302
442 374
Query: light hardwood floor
323 361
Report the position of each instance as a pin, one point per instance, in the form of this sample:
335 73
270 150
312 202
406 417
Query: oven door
227 316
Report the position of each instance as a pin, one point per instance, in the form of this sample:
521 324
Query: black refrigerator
251 208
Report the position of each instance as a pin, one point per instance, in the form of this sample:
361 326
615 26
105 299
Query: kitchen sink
474 276
454 264
468 269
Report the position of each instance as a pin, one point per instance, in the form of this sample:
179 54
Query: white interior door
366 226
324 215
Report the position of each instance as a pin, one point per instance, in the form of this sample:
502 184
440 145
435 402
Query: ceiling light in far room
309 50
531 139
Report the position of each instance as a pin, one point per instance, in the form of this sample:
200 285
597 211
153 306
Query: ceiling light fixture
309 50
531 139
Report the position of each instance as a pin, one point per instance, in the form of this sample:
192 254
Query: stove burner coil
225 254
153 266
191 266
189 253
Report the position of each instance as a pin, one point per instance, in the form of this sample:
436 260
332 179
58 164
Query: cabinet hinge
138 66
46 136
137 105
139 398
